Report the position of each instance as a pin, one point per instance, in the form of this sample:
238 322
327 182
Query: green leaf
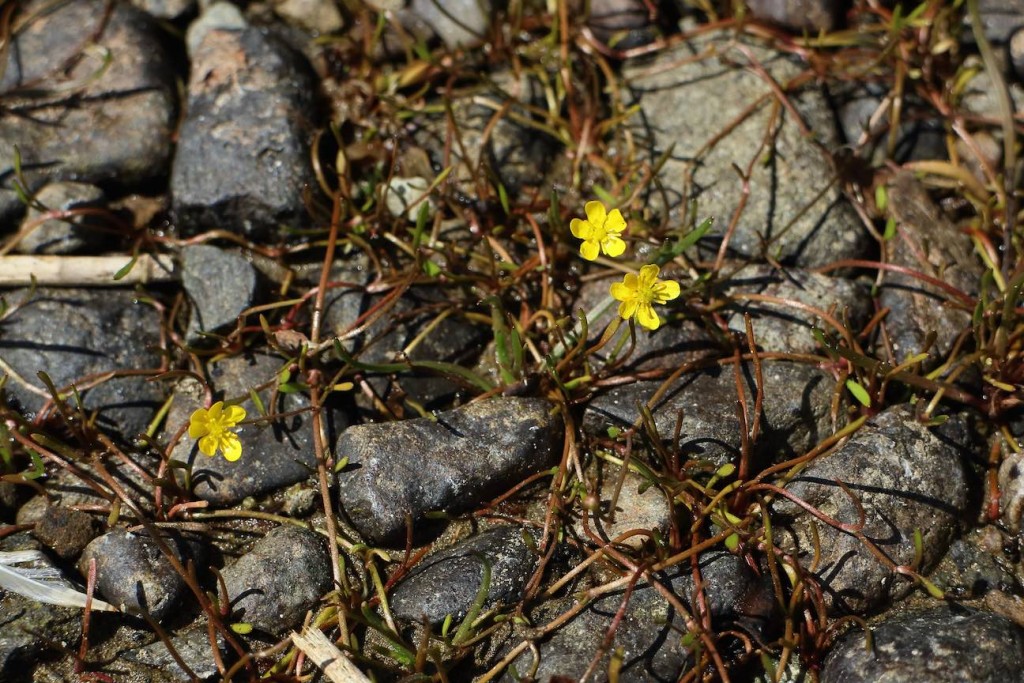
859 392
890 229
242 628
881 198
431 268
732 541
126 268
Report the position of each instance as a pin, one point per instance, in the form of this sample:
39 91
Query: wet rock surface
947 643
46 234
906 480
452 462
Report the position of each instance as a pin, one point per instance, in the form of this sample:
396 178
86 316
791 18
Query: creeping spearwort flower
213 429
638 292
599 232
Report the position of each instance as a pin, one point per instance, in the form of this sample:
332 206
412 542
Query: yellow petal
215 410
646 316
666 291
620 291
615 222
232 447
198 424
595 213
613 246
628 308
580 229
589 250
648 276
208 445
233 415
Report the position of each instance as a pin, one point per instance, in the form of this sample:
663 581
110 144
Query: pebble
945 643
132 572
906 479
76 234
459 569
220 284
242 161
453 462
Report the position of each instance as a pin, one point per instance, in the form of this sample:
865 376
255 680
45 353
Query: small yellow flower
599 232
638 292
213 429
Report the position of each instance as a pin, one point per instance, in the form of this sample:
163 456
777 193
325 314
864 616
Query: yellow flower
638 292
599 232
212 427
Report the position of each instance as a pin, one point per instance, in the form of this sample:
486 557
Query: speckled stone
946 644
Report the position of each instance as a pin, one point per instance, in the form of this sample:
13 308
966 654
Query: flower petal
198 424
649 276
208 445
215 411
620 291
613 246
646 316
666 291
580 229
232 447
628 308
615 222
589 250
596 213
233 415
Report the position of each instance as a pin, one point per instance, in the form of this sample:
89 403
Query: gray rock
459 570
939 645
906 479
132 572
622 24
925 241
274 455
219 284
10 500
457 23
796 411
62 235
976 565
512 152
800 15
865 124
171 10
279 580
192 645
116 129
76 336
650 628
316 16
243 151
791 213
787 328
638 506
1016 49
454 461
999 19
384 341
65 531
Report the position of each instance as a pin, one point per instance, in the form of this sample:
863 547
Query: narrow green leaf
126 268
859 392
